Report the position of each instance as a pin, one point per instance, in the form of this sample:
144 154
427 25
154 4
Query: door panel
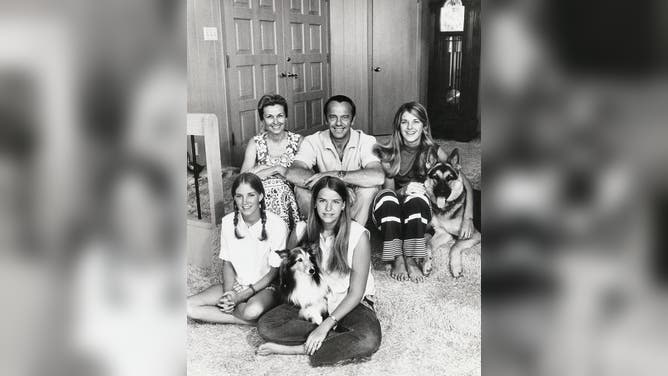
395 39
255 62
266 39
306 57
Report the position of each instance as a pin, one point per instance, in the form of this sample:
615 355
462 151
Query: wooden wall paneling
349 54
206 78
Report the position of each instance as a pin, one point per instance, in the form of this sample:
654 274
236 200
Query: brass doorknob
295 75
377 69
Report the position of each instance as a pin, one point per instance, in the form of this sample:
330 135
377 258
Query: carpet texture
432 328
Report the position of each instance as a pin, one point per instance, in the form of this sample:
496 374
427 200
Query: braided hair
256 184
263 218
236 221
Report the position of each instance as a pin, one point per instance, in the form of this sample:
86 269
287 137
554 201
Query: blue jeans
356 336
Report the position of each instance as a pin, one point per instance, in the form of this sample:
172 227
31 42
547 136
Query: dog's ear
431 160
305 244
308 247
453 159
283 253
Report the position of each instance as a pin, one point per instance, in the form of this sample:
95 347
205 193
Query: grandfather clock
454 70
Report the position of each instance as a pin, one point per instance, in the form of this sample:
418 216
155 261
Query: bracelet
252 288
336 322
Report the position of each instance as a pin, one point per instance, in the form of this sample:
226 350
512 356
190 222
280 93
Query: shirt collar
352 141
245 228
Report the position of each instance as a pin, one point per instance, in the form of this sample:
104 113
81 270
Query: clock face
452 17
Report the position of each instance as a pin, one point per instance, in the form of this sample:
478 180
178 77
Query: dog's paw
456 263
427 266
428 262
316 319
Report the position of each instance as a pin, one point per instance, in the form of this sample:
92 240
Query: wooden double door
275 47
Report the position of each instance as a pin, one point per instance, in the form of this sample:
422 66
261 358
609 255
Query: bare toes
417 278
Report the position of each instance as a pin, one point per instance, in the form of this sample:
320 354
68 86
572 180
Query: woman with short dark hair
270 153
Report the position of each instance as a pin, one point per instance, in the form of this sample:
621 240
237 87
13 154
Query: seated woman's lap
283 325
358 333
388 203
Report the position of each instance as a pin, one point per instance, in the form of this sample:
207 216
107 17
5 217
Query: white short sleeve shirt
318 150
251 257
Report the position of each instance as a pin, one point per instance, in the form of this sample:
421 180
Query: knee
387 206
302 193
368 344
417 202
251 312
366 194
190 308
266 328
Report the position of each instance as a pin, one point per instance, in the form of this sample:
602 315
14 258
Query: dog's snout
442 189
311 271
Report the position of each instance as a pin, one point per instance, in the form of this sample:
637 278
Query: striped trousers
403 222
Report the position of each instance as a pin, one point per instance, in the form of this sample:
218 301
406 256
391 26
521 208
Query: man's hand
310 182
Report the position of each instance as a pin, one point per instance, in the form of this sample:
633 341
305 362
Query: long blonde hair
339 260
390 153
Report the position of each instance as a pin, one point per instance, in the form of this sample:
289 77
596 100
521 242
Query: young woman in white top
249 238
352 330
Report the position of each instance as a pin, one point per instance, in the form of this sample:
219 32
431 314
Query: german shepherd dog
447 193
301 283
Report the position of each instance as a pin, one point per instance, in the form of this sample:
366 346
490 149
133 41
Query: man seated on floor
342 152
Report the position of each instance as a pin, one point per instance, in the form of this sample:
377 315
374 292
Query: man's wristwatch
341 174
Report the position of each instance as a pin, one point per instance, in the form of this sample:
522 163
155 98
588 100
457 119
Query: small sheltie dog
301 283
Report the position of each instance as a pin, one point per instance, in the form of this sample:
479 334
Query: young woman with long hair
402 210
249 238
342 251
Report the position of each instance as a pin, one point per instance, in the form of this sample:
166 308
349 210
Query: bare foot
398 271
456 262
414 273
274 348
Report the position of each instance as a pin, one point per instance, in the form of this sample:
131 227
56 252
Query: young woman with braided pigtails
248 241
